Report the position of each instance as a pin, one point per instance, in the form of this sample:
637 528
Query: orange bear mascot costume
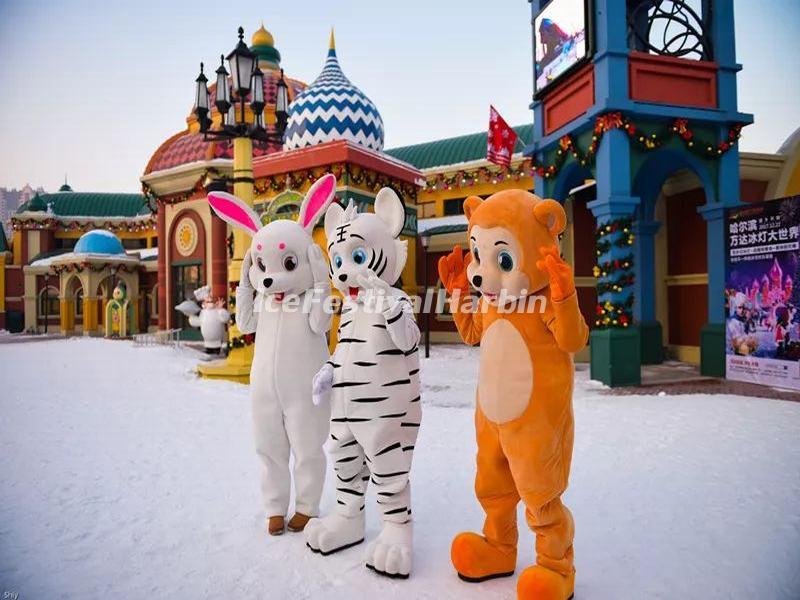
523 416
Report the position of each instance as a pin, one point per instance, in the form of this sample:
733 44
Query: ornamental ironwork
678 28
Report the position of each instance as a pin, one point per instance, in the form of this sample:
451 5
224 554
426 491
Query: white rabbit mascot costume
285 269
372 383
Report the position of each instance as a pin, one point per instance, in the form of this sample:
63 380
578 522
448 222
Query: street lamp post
46 300
239 100
247 82
425 241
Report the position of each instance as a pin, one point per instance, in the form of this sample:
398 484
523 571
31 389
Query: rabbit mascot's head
279 252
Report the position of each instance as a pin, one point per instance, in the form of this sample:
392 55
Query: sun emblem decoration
186 236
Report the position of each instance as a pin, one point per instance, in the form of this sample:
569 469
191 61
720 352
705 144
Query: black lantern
223 95
230 117
282 104
230 101
241 62
201 99
257 95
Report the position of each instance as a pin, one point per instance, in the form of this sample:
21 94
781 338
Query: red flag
501 140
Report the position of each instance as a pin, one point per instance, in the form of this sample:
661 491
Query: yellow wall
793 185
16 247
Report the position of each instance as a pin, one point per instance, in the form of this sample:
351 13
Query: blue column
613 172
713 211
723 43
712 336
615 351
644 308
611 56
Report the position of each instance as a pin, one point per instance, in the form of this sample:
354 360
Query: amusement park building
455 168
177 244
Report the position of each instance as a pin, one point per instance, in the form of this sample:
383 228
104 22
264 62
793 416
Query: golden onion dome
262 37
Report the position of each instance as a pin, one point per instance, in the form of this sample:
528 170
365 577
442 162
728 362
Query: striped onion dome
331 109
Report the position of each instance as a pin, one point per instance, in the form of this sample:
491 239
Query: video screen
560 31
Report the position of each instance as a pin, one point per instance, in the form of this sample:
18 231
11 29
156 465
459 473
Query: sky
90 88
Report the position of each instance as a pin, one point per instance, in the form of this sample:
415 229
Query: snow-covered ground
122 475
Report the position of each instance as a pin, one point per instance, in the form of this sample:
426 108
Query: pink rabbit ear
316 201
234 211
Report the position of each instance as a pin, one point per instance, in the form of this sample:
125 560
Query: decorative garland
567 146
469 178
81 267
604 123
53 223
364 178
248 339
614 271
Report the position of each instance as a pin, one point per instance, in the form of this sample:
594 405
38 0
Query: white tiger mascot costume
372 381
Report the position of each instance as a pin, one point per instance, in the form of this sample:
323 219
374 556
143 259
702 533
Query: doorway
186 278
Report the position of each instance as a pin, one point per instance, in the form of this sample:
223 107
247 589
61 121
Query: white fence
169 337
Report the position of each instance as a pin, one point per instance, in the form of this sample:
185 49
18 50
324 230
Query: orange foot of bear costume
528 325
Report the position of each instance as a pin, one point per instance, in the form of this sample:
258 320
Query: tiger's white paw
390 553
334 533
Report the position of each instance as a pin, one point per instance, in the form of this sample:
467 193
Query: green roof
443 229
451 151
89 204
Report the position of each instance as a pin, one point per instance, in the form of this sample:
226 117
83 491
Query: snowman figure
212 319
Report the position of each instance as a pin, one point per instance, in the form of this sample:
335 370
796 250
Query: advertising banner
762 331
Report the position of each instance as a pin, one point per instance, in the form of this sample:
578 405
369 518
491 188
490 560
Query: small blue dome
331 109
98 241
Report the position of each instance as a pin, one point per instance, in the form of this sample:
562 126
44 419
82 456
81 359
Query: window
454 206
79 303
134 243
65 243
49 303
186 278
154 302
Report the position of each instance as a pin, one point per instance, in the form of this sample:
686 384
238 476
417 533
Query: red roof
338 151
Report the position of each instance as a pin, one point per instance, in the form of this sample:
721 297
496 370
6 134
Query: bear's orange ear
551 214
470 205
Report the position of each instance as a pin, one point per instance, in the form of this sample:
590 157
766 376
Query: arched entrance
187 269
72 304
48 308
671 289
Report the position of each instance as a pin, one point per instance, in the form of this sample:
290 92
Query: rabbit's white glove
322 385
244 276
319 267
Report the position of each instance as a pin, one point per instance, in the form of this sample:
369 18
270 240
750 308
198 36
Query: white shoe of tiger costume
390 553
334 533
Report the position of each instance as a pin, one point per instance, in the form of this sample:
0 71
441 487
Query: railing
168 337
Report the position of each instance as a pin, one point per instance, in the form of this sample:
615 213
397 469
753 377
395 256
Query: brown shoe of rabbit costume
298 522
276 525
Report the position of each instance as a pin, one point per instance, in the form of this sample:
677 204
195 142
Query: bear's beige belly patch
505 380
